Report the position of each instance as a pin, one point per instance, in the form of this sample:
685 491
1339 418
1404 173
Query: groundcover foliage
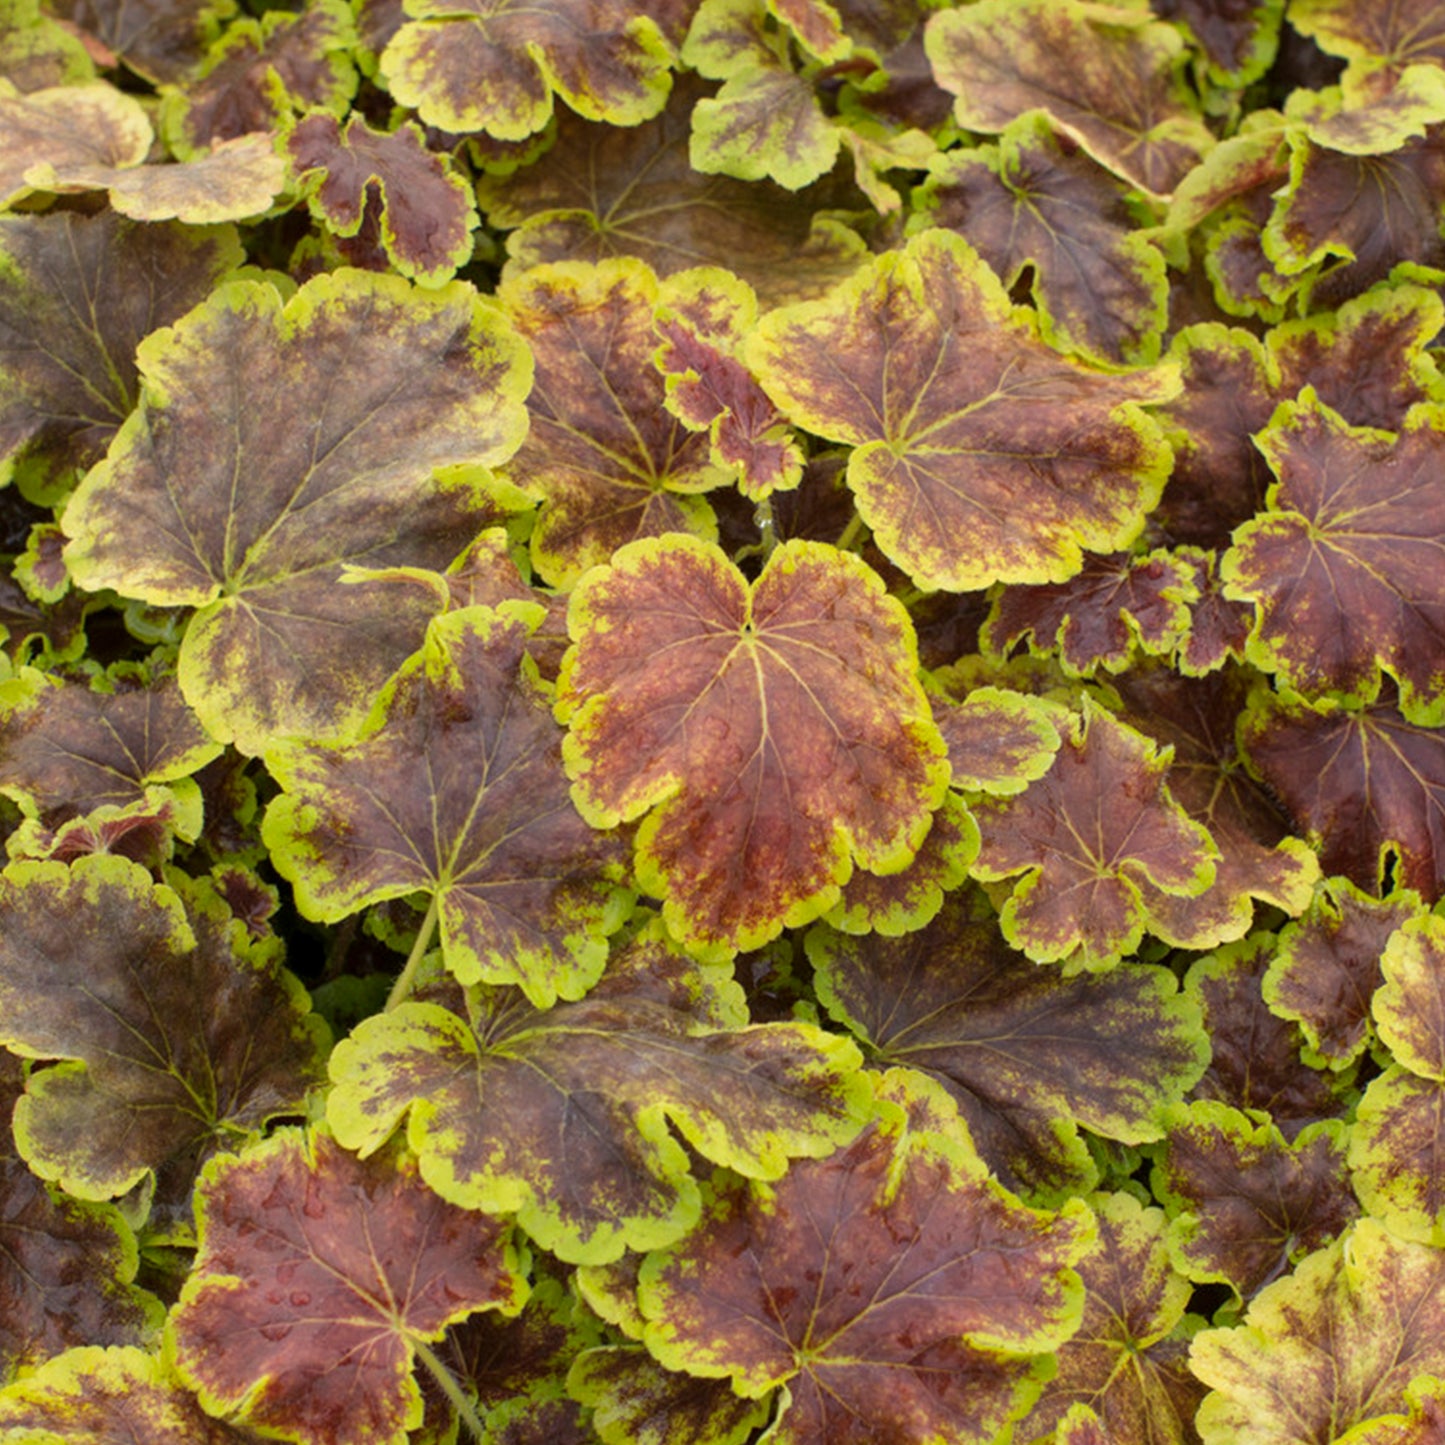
722 720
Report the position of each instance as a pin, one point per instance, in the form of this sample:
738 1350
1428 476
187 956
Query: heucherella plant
722 721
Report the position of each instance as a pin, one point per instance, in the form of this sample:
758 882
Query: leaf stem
849 535
447 1381
402 987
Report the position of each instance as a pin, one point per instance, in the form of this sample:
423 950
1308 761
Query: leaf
604 192
175 1031
94 1396
562 1116
1126 1362
1027 1054
1238 41
77 295
457 791
1327 967
158 39
1256 1065
1397 1140
260 72
427 212
1344 564
608 459
1102 616
387 384
1035 206
67 1267
923 1289
237 179
998 741
36 53
1391 38
1364 784
320 1279
770 736
1328 1347
1246 1203
1110 79
1086 837
702 318
634 1401
963 422
81 125
66 749
494 65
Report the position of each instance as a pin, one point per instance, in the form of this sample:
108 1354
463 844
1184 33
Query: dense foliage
722 720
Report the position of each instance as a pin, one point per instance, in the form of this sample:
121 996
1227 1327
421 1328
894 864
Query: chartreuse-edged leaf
159 39
1027 1054
1098 825
95 1396
770 736
1239 42
606 192
998 741
607 458
1127 1362
258 73
1110 78
1327 1348
1370 115
980 454
1246 1203
635 1401
457 790
494 65
93 124
38 53
703 316
67 1267
1399 1135
894 1288
337 409
77 296
1425 1422
175 1029
320 1280
65 748
1327 967
1347 566
563 1117
1034 204
1371 37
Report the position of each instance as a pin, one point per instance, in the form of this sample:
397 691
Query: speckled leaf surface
587 1161
458 791
159 39
963 422
402 382
933 1290
175 1031
93 124
320 1277
682 685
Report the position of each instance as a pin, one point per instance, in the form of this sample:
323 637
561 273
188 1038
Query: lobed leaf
93 124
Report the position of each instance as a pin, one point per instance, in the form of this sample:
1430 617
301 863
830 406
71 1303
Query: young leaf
1329 1347
494 65
458 791
427 213
998 741
1027 1054
1238 41
603 192
67 1268
563 1116
1127 1362
894 1288
1246 1202
1346 564
1108 78
175 1030
93 1396
1035 205
964 423
608 459
77 296
1095 828
392 383
321 1278
772 735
